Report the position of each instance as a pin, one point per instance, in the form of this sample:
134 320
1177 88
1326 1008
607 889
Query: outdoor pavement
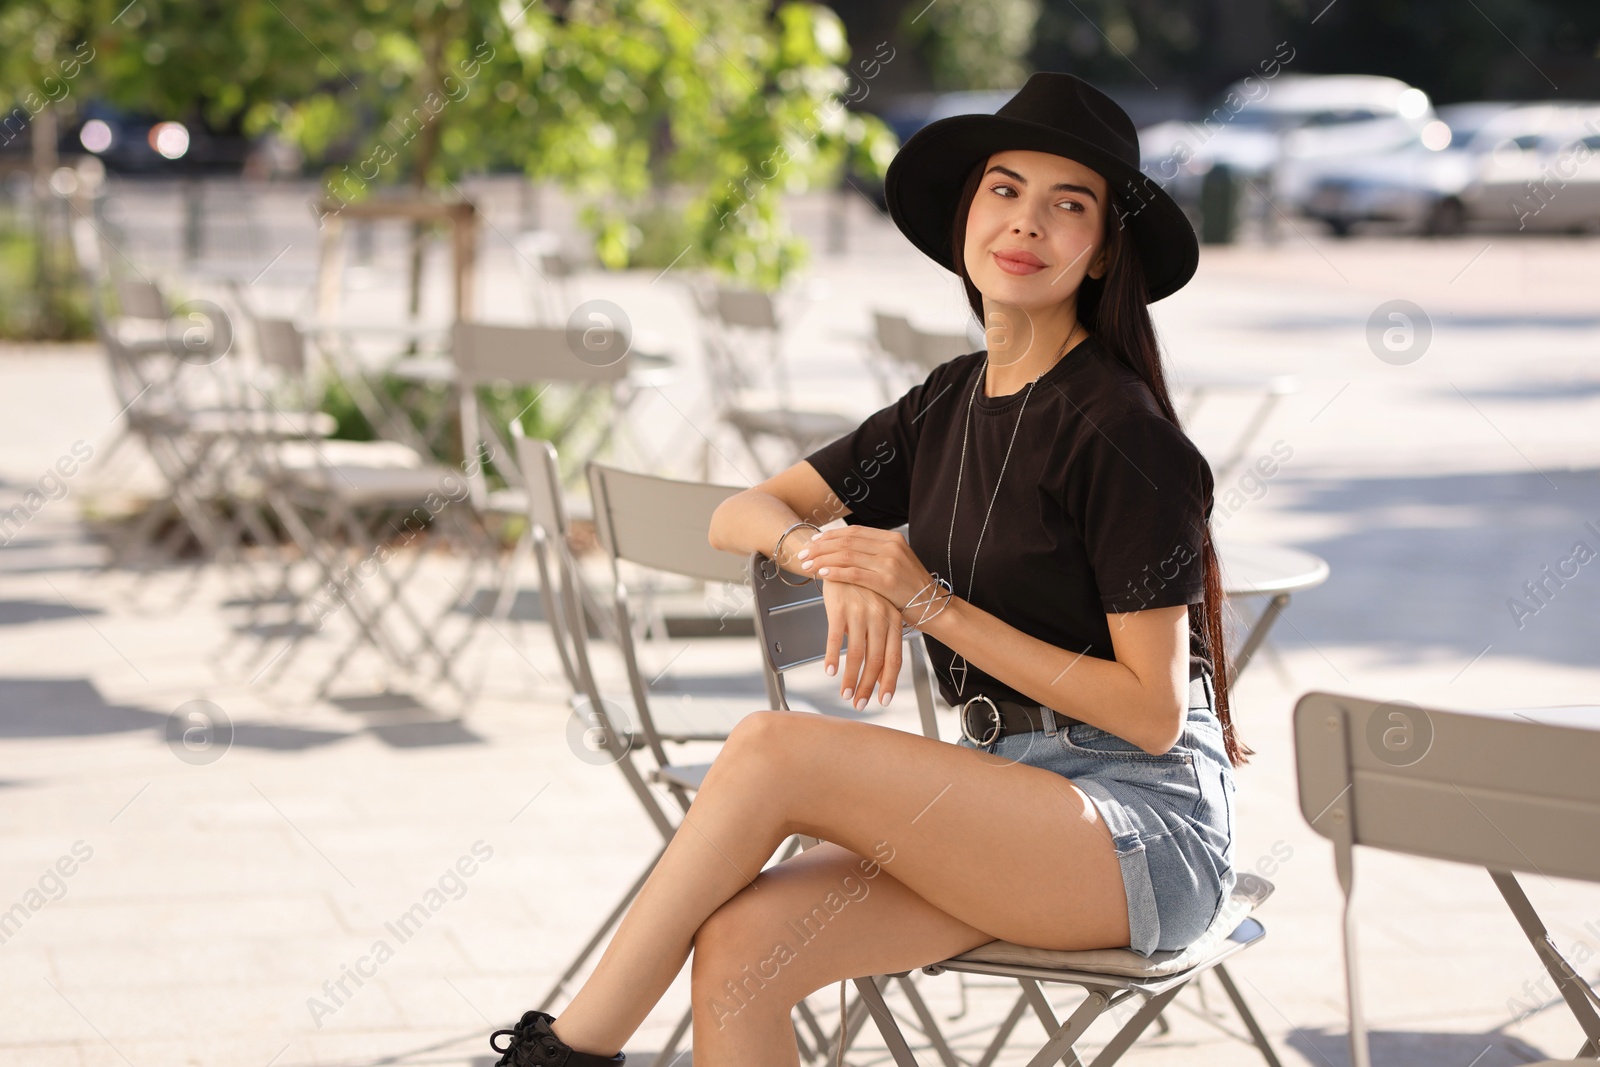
209 902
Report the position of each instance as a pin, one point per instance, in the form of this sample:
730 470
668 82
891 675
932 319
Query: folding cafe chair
735 323
339 497
670 538
643 523
1512 790
490 355
905 354
792 624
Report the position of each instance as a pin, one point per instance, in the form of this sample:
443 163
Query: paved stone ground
209 904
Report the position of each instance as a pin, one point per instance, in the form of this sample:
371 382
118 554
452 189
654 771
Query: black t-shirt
1101 509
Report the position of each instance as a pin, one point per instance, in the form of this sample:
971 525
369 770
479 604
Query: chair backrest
936 348
281 346
563 597
140 299
895 336
748 309
792 627
566 607
487 354
528 355
661 523
1506 790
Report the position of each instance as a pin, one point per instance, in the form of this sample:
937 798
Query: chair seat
222 422
687 775
793 424
363 485
306 455
437 369
514 501
1248 893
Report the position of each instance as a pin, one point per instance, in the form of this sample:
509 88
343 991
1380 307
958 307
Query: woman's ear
1101 263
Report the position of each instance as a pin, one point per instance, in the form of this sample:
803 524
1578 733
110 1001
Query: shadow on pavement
1442 562
1415 1048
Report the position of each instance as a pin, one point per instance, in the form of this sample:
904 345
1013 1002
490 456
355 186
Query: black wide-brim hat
1057 113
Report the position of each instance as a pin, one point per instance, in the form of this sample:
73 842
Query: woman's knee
738 960
759 747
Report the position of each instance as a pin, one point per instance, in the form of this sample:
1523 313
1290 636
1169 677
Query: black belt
981 716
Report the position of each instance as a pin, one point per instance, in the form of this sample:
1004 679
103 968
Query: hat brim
923 184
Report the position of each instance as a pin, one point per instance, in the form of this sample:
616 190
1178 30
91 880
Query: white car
1552 185
1474 174
1265 127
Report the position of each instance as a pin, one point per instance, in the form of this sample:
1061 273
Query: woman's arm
1139 696
752 520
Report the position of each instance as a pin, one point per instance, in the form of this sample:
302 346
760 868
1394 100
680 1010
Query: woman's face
1035 228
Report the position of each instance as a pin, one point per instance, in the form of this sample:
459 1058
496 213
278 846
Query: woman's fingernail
823 571
847 693
885 697
861 704
802 553
808 563
832 670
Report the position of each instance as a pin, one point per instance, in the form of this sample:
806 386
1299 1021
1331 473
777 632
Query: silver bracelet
778 548
934 598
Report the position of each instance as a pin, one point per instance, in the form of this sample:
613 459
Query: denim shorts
1170 816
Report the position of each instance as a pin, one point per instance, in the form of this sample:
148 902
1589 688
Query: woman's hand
868 576
873 626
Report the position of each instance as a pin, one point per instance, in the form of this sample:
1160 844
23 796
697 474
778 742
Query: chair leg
1003 1034
1247 1016
1124 1038
817 1035
599 935
1579 997
888 1028
930 1027
668 1054
1061 1045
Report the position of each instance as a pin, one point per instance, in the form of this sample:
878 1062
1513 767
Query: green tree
633 105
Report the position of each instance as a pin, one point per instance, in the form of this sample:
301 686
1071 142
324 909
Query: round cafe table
1273 571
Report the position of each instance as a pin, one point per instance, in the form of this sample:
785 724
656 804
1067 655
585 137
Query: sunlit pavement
220 901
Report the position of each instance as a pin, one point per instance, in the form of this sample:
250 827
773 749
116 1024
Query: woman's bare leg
1015 851
824 915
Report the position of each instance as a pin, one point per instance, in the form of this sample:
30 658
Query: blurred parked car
1267 128
144 144
1502 166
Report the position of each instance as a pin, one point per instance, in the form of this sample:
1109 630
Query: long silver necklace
958 666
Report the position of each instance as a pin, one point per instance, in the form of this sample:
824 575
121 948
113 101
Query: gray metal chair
488 356
791 626
734 324
792 623
645 522
658 525
334 497
1509 791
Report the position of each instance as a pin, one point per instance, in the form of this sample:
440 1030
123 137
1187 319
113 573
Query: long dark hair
1116 309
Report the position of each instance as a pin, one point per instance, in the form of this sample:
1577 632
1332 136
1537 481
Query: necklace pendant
958 673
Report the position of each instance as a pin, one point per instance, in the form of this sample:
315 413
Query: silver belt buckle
994 717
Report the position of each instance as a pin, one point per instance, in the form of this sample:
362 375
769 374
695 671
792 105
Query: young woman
1059 566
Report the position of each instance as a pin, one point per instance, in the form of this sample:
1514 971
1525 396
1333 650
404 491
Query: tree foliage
701 111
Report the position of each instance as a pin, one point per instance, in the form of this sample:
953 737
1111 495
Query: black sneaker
534 1044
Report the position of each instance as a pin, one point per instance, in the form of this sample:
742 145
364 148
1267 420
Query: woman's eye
1076 207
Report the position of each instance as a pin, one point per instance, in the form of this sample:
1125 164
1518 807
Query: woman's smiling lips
1016 261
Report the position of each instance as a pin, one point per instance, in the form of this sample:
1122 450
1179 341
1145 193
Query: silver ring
994 715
